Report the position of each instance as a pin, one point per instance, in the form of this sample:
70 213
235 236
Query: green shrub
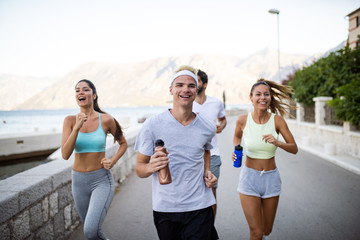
347 106
337 76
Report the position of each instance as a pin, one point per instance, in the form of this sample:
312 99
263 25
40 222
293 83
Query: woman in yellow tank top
259 181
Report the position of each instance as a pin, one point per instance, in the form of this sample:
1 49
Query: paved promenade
320 200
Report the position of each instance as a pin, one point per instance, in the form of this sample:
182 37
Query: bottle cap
238 148
159 143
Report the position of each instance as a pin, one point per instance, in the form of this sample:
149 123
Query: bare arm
209 177
71 128
109 163
207 158
289 145
222 124
146 165
240 124
121 150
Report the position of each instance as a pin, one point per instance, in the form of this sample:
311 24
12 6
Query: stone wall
339 140
335 140
38 203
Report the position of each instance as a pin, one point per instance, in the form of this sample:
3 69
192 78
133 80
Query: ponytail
280 96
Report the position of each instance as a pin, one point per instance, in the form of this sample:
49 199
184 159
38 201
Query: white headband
182 73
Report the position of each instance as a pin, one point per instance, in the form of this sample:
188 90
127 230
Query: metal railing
330 117
309 115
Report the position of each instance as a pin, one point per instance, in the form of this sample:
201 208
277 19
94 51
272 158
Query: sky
52 37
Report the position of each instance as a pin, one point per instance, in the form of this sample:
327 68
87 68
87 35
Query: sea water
27 121
32 121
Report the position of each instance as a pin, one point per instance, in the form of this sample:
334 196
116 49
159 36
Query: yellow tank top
255 147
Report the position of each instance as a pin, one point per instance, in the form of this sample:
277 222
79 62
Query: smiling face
183 90
84 95
261 97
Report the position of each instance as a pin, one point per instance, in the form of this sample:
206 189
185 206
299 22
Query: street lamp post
275 11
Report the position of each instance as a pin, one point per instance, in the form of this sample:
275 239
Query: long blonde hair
280 96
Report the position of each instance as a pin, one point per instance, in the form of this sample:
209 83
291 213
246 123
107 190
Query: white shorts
263 184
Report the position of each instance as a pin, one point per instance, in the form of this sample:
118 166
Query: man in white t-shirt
182 209
212 109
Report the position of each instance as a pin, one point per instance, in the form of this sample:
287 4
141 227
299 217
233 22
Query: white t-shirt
185 145
211 109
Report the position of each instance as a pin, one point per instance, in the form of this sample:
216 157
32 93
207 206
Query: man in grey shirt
182 208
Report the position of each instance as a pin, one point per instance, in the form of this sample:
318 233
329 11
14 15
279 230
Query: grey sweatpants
93 193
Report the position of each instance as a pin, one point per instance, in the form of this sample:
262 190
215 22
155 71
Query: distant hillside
14 89
146 83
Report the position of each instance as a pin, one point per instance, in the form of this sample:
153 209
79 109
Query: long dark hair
119 131
280 96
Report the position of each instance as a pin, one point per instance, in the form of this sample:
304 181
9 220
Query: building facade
354 28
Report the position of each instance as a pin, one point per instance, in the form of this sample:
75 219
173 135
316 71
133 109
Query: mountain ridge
145 83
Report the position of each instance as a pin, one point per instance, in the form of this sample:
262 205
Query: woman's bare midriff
87 162
260 164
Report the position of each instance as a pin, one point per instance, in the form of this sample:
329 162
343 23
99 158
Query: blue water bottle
239 152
